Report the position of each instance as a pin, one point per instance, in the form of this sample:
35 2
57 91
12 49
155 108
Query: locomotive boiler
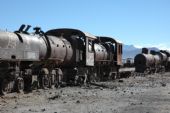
24 55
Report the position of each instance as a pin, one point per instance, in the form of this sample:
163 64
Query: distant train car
129 62
167 61
151 62
143 62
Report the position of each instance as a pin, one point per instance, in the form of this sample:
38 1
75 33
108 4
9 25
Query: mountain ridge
130 51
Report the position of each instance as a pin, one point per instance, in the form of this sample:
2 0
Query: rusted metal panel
69 32
129 69
61 49
119 54
77 55
92 37
89 55
108 39
90 59
20 46
58 49
69 50
100 52
31 55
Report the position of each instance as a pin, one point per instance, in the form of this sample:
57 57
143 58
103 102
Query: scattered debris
54 97
120 81
163 84
64 102
32 110
43 109
78 101
133 104
99 85
15 107
101 88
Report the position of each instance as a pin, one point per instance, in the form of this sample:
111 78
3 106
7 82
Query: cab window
90 46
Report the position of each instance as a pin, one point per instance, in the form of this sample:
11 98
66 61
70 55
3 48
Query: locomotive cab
114 49
108 57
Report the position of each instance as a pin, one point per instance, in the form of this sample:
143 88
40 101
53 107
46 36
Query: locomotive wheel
2 92
6 87
94 77
54 81
41 82
58 80
19 85
45 81
49 82
28 84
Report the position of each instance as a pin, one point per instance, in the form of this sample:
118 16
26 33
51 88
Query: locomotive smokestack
21 28
27 28
145 50
37 30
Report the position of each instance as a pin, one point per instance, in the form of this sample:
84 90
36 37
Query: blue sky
137 22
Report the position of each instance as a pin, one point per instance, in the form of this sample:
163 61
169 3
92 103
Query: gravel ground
149 94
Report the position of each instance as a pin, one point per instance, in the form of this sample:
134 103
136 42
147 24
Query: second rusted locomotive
29 60
153 62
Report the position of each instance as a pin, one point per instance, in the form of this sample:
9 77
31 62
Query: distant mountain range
130 51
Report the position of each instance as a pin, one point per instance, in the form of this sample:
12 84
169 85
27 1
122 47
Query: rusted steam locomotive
59 56
153 62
